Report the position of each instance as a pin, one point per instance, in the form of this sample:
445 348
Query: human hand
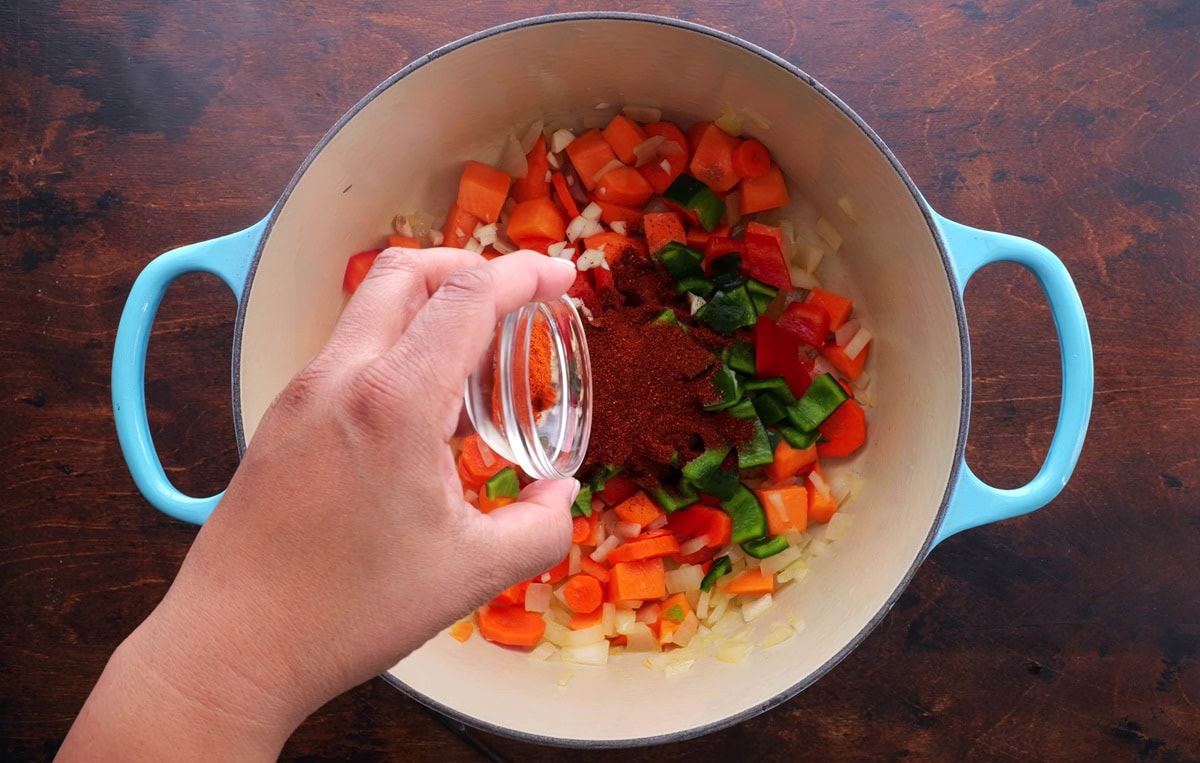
343 541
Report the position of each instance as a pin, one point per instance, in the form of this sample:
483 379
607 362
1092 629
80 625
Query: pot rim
951 282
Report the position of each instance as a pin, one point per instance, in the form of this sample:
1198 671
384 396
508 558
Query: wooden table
1071 634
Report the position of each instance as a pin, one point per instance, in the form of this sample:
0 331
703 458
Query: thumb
534 534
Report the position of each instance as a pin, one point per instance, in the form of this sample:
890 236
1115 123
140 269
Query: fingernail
563 263
575 490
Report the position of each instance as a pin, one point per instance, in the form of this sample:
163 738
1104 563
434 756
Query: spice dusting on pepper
650 380
541 377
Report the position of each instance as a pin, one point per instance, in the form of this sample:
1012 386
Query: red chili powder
650 380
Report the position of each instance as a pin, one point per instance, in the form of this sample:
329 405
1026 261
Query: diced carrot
671 614
752 581
789 461
582 593
751 159
512 596
821 508
786 508
640 509
473 468
616 246
459 226
589 154
644 547
482 190
615 213
512 626
589 566
836 305
488 505
638 581
407 242
461 631
697 520
696 557
537 244
676 160
556 573
538 218
624 134
617 489
838 359
695 131
618 640
764 192
624 186
534 185
581 620
755 228
357 268
845 430
661 228
564 194
712 159
581 529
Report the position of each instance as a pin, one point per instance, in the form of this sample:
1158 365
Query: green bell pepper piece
674 501
690 193
740 357
768 408
761 294
761 548
796 438
819 401
749 519
503 485
682 261
730 388
721 567
701 287
583 502
727 311
756 451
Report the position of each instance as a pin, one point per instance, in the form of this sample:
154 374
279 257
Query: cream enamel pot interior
402 147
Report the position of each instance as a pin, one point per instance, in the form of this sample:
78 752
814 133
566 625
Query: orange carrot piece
511 626
821 508
644 547
473 469
623 134
695 131
789 461
407 242
677 160
589 153
751 582
581 620
589 566
459 226
712 159
767 191
786 508
564 194
640 509
838 307
482 190
534 185
838 359
643 580
512 596
616 246
845 430
667 622
614 213
357 268
617 489
581 530
751 159
556 573
618 640
461 631
624 186
582 593
538 218
661 228
488 505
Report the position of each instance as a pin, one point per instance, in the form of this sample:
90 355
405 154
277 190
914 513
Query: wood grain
1070 634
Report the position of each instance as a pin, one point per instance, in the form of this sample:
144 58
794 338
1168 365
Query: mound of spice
650 380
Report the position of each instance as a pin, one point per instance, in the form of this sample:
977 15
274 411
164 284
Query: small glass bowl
549 443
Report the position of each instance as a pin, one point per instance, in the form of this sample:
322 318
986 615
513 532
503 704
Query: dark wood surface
128 128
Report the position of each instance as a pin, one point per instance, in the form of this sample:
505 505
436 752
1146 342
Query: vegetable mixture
724 378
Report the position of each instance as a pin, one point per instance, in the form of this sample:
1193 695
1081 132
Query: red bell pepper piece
777 353
808 322
356 269
697 520
617 489
764 260
719 246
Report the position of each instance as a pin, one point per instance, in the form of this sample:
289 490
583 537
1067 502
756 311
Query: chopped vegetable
482 191
511 626
589 153
768 191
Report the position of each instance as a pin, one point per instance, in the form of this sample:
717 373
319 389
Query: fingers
396 288
533 534
446 338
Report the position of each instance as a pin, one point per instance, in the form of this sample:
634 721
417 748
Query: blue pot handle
975 503
229 259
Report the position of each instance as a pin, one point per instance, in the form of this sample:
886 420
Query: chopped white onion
859 343
648 613
686 578
643 114
755 607
787 230
618 226
671 148
821 365
735 554
608 618
778 562
718 609
819 484
846 332
839 525
758 119
695 302
530 138
687 630
612 165
486 234
802 279
628 530
585 636
543 651
702 604
567 253
591 654
733 651
575 228
641 639
813 255
602 551
820 549
825 230
648 149
592 228
402 226
486 454
847 205
503 246
693 545
778 636
473 245
624 620
560 140
537 597
798 540
591 212
555 249
512 158
436 237
565 677
573 559
729 120
592 258
664 165
601 105
675 668
552 160
796 571
659 522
